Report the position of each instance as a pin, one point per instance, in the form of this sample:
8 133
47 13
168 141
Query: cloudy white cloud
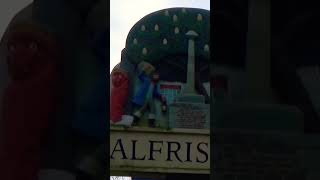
125 13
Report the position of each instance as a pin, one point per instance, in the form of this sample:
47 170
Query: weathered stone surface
189 115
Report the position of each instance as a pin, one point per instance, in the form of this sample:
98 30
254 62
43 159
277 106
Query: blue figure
147 94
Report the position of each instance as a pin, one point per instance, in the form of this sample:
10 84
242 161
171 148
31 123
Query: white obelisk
189 93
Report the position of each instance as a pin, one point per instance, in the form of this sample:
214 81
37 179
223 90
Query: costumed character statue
60 154
30 100
147 94
119 95
120 100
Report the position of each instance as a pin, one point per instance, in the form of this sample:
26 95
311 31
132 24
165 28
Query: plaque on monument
189 115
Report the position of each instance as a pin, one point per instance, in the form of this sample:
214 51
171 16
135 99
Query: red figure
29 100
119 94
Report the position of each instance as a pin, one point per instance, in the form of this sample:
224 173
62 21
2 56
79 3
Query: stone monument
189 110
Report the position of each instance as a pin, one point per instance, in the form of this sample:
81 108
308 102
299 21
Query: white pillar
190 85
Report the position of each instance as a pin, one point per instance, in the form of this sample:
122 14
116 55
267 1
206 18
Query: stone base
191 98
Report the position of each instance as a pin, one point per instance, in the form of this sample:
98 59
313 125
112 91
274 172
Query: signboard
159 98
175 151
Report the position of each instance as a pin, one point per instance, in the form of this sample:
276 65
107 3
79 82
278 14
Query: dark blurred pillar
258 52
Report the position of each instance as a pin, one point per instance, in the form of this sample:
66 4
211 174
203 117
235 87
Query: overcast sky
125 13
